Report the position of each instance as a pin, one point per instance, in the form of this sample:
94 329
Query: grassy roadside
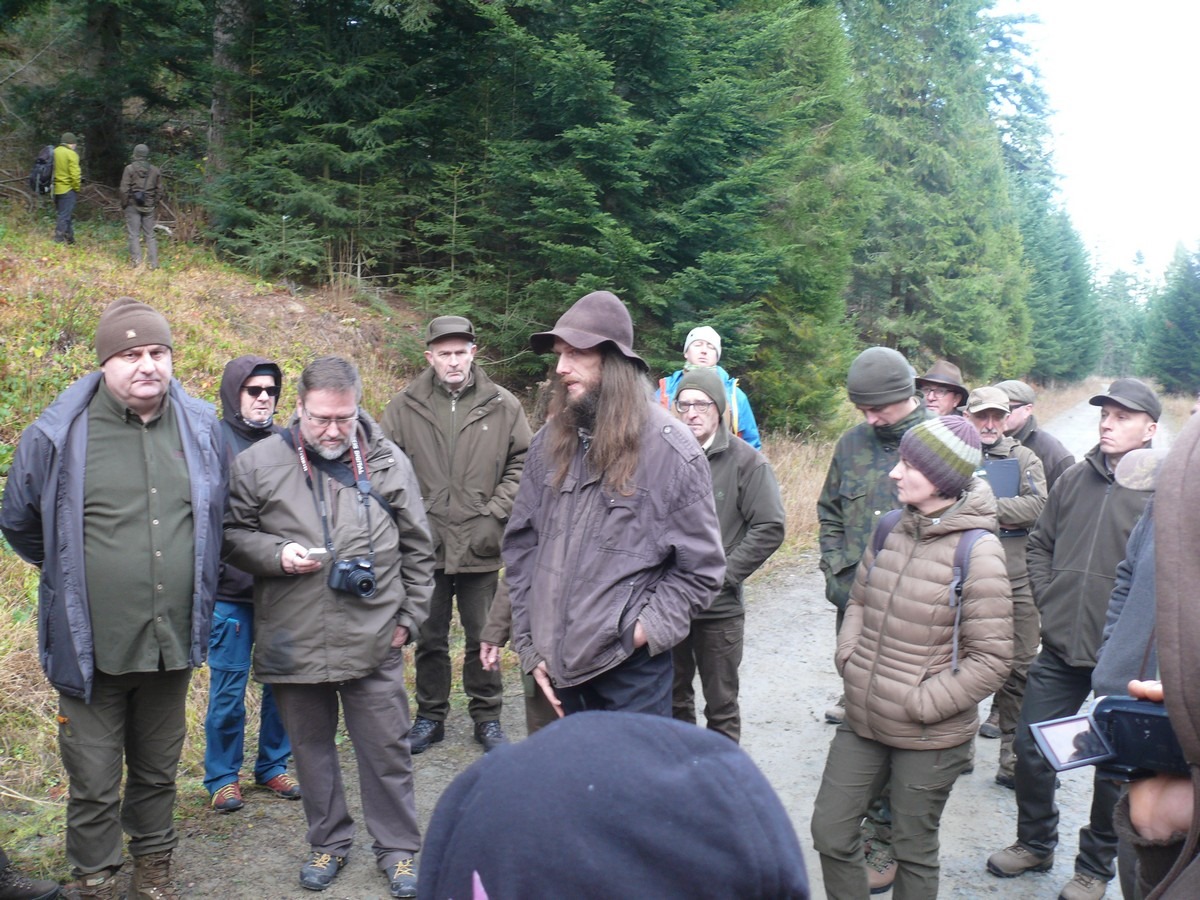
50 299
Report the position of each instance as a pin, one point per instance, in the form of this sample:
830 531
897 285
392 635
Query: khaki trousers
135 722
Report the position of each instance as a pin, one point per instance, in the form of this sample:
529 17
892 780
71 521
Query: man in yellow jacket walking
67 182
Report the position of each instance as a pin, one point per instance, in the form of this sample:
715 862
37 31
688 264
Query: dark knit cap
68 138
603 803
129 323
707 380
945 450
1131 394
879 376
594 319
1018 392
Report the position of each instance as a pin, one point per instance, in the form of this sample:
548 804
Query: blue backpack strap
958 576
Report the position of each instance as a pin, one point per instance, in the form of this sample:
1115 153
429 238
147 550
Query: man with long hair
613 544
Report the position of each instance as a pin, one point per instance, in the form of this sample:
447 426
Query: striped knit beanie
945 450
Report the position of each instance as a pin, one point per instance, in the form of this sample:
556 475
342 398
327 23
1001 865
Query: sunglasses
256 391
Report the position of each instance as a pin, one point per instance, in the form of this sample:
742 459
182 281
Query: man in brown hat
467 438
116 493
943 388
613 545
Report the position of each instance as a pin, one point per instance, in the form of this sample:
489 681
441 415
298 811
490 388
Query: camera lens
363 583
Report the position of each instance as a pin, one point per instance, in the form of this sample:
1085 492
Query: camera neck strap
359 478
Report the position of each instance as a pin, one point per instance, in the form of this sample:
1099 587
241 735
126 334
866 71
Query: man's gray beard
335 455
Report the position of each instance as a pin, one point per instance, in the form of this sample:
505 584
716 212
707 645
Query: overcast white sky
1123 80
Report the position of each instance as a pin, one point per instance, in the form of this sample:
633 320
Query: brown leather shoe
152 878
100 885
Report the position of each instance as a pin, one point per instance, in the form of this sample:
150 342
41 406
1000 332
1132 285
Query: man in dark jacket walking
1073 554
753 522
141 188
613 546
116 494
250 389
466 437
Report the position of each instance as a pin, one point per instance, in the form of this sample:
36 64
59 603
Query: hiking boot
284 785
15 886
402 878
881 867
836 713
425 732
152 878
1006 780
490 734
1017 860
318 873
228 798
1083 886
991 727
100 885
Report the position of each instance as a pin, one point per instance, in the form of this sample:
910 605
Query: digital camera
1122 737
353 576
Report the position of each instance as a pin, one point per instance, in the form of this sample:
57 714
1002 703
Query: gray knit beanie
129 323
707 381
945 450
879 376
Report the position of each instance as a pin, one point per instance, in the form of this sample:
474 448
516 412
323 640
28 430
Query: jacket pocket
625 526
486 533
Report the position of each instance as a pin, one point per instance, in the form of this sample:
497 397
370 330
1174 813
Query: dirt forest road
788 680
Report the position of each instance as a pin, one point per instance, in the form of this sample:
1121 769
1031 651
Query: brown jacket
304 631
585 564
468 487
894 649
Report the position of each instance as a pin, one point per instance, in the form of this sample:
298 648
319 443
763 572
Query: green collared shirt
139 539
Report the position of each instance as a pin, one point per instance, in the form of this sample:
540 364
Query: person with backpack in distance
68 181
141 187
927 634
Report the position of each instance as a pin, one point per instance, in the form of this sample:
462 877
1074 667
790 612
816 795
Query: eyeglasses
326 421
256 390
935 392
700 406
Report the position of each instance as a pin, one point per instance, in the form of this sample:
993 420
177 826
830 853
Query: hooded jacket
856 493
1073 554
585 563
236 586
306 632
469 486
896 644
42 518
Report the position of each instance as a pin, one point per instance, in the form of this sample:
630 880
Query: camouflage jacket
857 492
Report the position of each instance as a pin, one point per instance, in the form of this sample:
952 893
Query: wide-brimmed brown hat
944 373
594 319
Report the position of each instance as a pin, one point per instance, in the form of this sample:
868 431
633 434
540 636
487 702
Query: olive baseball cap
987 398
1131 394
449 326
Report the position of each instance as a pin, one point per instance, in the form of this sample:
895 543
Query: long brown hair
621 412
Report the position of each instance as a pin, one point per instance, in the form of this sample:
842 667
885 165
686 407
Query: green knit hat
946 450
880 376
707 381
